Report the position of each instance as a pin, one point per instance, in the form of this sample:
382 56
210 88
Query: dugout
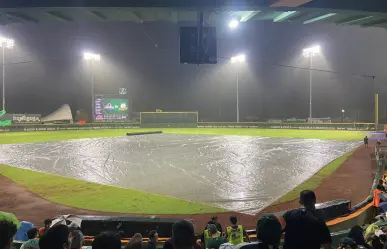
169 119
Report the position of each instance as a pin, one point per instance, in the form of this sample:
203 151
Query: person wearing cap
235 232
304 228
269 232
207 234
215 240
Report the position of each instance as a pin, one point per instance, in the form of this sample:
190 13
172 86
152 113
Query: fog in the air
46 70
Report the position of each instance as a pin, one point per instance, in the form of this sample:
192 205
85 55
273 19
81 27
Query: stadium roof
370 13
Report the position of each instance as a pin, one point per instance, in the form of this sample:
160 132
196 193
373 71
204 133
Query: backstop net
169 119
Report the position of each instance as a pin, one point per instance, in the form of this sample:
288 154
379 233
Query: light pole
92 57
5 43
310 52
343 112
237 60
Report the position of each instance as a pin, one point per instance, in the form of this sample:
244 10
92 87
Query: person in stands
32 242
21 234
56 237
77 241
356 233
47 224
235 232
269 232
183 235
206 234
214 237
153 239
135 242
106 240
304 228
381 185
7 232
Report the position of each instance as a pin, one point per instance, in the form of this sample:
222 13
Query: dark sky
46 70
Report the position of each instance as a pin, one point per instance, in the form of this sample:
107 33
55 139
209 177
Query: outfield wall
96 126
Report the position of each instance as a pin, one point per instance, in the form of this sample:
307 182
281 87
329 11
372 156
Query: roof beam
59 16
319 18
376 22
354 20
247 15
284 16
22 16
98 14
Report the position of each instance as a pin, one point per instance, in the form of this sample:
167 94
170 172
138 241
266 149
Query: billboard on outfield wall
22 118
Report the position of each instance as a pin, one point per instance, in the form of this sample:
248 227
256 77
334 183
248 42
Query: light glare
91 56
234 23
239 58
7 42
343 111
311 51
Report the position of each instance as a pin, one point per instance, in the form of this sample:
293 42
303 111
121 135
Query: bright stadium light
310 53
91 56
233 23
5 43
343 111
238 58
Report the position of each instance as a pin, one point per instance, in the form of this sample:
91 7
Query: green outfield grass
315 181
97 197
29 137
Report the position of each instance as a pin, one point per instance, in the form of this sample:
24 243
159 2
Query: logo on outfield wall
4 122
122 91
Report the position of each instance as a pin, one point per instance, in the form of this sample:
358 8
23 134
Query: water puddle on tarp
240 173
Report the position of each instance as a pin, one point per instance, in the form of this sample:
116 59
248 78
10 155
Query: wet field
240 173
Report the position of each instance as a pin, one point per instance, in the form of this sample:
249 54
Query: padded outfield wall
97 126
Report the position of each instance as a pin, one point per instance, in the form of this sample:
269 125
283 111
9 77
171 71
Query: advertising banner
22 118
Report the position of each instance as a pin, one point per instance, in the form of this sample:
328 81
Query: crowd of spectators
299 228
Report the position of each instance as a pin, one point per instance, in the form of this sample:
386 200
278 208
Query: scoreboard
111 109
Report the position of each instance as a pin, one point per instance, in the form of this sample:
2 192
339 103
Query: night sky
45 69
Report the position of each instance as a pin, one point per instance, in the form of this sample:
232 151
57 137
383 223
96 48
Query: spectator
235 232
215 240
366 141
153 239
381 186
77 241
7 232
206 234
47 224
217 224
57 237
183 235
356 233
32 242
304 229
106 240
21 233
135 242
269 232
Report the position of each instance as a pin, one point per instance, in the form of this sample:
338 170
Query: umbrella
9 217
69 220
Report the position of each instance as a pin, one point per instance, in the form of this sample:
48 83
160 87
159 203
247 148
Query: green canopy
9 217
